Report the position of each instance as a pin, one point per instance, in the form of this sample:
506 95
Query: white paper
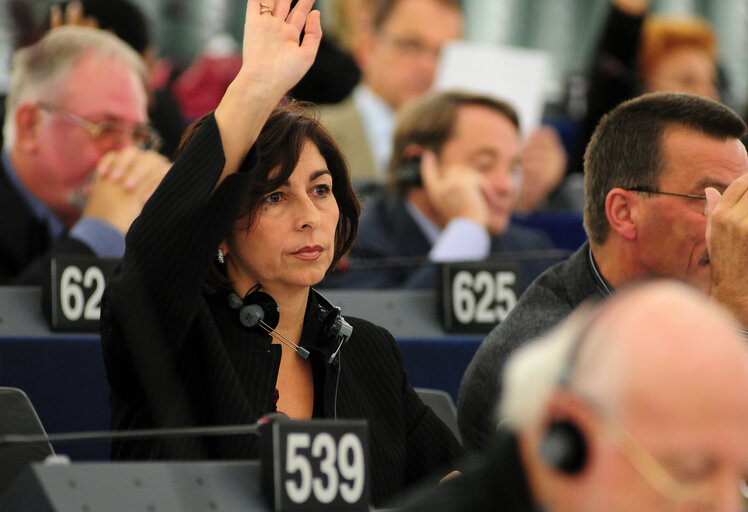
515 75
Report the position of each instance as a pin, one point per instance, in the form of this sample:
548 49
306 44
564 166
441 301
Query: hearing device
259 309
564 447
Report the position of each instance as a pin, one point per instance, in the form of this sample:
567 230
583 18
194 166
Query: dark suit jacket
345 124
391 251
550 299
25 248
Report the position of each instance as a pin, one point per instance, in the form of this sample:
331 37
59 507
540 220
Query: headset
564 447
410 172
259 309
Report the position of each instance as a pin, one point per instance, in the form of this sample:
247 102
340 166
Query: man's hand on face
123 182
455 191
727 243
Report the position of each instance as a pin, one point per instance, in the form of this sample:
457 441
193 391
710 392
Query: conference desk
64 375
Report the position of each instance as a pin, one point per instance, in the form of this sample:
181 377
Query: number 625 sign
475 296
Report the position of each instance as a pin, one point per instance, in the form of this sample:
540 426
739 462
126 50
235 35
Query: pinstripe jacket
177 357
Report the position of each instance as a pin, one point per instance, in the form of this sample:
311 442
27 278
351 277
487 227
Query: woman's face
291 243
687 69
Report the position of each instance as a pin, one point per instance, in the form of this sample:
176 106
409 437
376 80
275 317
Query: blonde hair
40 69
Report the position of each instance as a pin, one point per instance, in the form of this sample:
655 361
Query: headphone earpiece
564 447
256 307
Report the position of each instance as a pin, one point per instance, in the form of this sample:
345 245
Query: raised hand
72 15
274 58
271 52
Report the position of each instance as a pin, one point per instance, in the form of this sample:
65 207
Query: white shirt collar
379 126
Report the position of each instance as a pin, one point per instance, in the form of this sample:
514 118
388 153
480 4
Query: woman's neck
292 307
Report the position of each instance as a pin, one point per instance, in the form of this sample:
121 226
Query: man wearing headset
453 184
641 404
665 195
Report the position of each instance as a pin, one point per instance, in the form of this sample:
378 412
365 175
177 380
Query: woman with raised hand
256 209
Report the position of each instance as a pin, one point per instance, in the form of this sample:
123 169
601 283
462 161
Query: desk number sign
72 292
315 465
475 296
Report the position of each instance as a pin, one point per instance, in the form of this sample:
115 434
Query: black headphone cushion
564 447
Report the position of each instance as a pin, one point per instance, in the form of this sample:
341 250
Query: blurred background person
398 58
639 52
128 22
453 183
77 103
604 413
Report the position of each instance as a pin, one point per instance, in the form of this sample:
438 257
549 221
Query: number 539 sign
315 465
474 297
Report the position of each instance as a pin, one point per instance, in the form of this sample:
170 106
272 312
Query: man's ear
622 210
28 122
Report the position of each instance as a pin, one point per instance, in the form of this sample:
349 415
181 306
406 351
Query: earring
221 259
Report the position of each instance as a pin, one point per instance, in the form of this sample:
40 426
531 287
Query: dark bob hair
280 143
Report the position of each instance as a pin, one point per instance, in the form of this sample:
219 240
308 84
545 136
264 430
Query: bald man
641 404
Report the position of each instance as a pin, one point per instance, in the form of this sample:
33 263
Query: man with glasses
639 404
398 60
665 176
78 160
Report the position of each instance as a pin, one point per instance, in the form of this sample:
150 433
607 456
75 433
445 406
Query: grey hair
39 70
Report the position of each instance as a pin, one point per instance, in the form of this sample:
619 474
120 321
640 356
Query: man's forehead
402 16
701 159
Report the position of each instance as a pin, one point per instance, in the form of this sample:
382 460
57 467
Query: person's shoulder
365 328
552 296
526 237
336 113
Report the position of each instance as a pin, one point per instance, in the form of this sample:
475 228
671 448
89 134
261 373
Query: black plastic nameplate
72 292
315 465
475 296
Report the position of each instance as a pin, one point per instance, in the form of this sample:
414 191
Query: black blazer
25 248
178 357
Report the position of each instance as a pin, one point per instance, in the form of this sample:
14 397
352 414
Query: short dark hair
382 10
280 144
626 147
429 121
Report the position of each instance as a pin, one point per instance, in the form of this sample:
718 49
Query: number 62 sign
72 292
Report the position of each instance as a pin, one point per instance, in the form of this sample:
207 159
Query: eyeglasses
645 190
110 133
652 471
411 47
650 191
